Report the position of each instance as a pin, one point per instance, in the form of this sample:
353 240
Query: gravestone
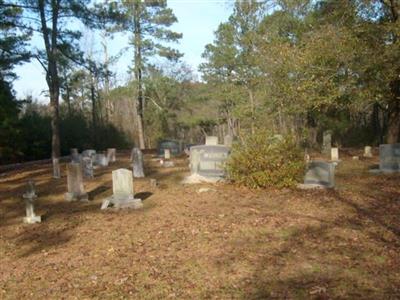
167 154
56 168
320 173
327 142
30 197
389 158
367 151
87 167
123 195
172 145
101 160
228 139
208 161
75 187
334 154
111 154
137 163
74 155
89 152
211 140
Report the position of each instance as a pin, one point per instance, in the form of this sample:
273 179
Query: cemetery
200 149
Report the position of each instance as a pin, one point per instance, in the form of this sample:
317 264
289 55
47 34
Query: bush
262 160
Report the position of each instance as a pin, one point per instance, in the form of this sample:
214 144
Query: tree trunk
393 132
251 98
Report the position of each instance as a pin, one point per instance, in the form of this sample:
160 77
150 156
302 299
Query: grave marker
75 187
389 158
327 142
30 197
320 173
137 163
111 154
368 151
335 154
211 140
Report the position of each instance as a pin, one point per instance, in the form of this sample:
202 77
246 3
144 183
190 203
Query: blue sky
197 20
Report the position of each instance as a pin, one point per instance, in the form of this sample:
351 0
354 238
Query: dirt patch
226 242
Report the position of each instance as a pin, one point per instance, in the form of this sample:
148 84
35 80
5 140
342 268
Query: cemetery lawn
223 242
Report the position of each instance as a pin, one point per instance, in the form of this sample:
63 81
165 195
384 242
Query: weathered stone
211 140
75 155
111 155
89 152
172 145
137 163
367 151
389 158
123 195
30 197
335 154
320 173
153 182
167 153
208 161
75 187
87 167
327 142
101 160
228 139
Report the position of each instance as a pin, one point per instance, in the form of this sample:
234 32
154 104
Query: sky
197 21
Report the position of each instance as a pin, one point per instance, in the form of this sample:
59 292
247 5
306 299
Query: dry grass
226 243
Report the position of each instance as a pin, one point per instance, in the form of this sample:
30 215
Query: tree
148 21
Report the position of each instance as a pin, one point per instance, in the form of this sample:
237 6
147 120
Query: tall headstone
320 173
137 163
74 155
167 153
334 154
211 140
123 195
76 191
87 167
30 197
367 151
56 168
228 139
389 158
111 155
327 142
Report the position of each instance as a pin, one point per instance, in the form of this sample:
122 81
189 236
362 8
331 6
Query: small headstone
123 195
167 153
389 157
153 182
228 139
56 168
101 160
356 157
335 154
137 163
168 164
211 140
29 197
367 151
327 142
75 187
320 173
111 155
87 167
74 155
172 145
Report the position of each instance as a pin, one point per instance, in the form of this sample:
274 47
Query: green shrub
262 160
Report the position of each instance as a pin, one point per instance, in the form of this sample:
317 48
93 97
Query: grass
227 243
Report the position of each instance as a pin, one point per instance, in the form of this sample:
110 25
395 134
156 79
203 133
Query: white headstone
29 198
123 195
87 167
335 154
211 140
167 154
75 187
228 139
368 151
56 168
101 160
111 154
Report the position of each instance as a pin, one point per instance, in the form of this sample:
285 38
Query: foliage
262 160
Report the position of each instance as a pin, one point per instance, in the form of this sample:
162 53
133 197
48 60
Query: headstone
167 154
368 151
89 152
137 163
208 161
74 155
123 195
101 160
153 182
335 154
111 154
87 167
211 140
75 187
327 142
172 145
389 158
228 139
29 197
56 168
320 173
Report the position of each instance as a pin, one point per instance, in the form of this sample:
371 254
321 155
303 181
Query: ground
225 242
